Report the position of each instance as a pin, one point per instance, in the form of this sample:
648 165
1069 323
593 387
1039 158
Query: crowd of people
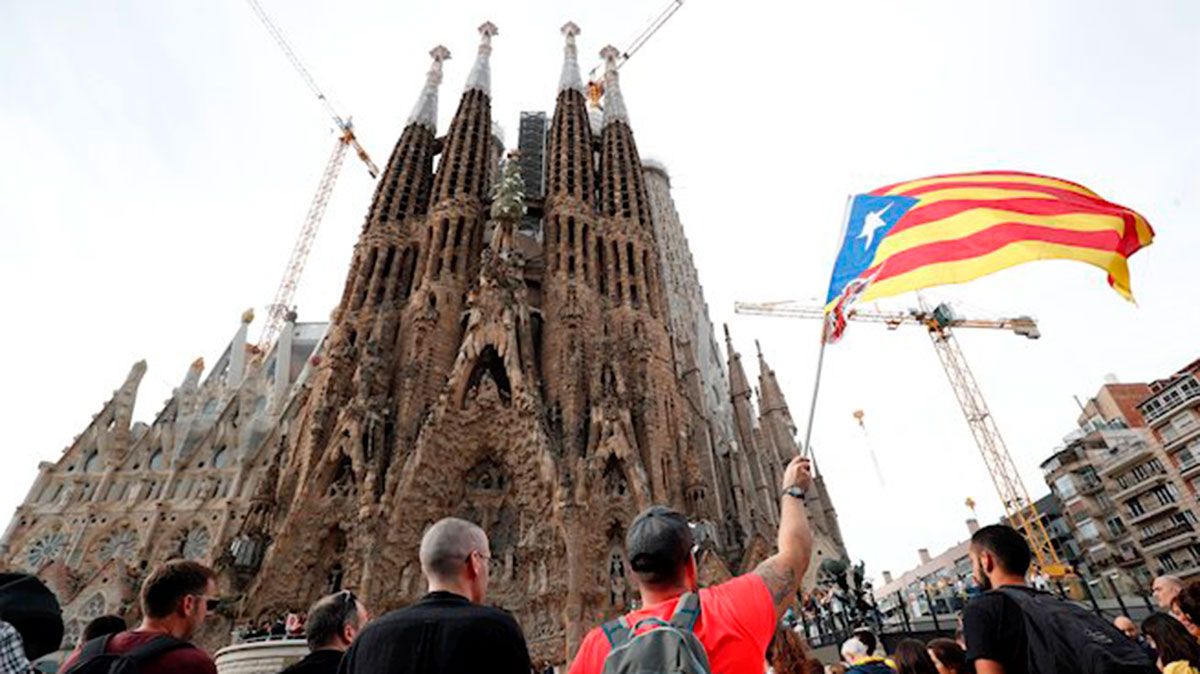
728 628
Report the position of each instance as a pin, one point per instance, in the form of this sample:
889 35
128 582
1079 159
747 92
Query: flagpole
806 449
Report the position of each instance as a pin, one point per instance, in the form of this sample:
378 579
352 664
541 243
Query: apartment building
1124 497
1172 413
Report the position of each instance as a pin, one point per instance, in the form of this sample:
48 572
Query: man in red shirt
738 617
175 598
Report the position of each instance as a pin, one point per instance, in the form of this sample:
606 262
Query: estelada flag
956 228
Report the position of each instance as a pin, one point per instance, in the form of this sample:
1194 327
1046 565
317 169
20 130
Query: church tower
329 478
574 256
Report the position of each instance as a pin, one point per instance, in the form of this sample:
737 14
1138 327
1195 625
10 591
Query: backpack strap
93 648
617 632
156 647
687 611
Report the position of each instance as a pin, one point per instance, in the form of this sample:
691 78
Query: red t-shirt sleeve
589 659
751 606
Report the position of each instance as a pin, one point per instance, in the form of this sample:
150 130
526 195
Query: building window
1088 530
1135 507
1165 493
1065 486
1115 526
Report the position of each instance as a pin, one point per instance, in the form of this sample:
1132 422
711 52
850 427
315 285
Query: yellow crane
595 85
938 322
282 304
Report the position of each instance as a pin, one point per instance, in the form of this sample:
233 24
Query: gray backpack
668 648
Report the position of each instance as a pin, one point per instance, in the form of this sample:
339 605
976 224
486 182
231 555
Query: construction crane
939 323
595 85
282 304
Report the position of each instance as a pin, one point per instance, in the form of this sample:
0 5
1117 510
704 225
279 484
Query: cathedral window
194 544
121 544
45 549
92 463
633 274
381 286
93 608
363 280
601 267
489 364
615 483
583 250
260 404
651 296
616 253
210 406
158 460
220 458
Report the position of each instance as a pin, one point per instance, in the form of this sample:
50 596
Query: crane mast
281 305
279 308
938 322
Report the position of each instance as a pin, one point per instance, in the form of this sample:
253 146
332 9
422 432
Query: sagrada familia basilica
546 381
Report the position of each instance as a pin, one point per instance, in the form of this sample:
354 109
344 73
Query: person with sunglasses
330 628
447 630
176 598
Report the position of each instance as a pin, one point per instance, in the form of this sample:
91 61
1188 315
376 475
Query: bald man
1127 626
447 630
1130 629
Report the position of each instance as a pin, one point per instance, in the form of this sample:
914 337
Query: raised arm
784 570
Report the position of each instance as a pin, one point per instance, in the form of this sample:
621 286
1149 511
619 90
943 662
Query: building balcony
1087 487
1140 485
1189 469
1188 393
1183 568
1127 459
1180 440
1153 512
1127 559
1176 536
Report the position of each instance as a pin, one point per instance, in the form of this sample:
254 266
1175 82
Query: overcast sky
160 156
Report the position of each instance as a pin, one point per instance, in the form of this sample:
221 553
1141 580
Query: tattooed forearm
780 579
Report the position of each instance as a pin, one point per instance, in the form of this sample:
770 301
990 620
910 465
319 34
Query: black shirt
443 633
322 661
994 629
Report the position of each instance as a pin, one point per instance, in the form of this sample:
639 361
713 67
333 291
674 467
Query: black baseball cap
659 544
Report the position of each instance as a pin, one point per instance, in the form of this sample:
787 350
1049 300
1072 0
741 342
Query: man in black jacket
330 628
448 630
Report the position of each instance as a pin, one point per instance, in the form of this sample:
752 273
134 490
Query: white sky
159 158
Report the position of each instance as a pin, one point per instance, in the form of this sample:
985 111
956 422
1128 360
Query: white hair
446 546
853 649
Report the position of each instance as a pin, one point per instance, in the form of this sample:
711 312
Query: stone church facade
545 383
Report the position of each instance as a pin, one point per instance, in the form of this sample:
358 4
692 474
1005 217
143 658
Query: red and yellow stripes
967 225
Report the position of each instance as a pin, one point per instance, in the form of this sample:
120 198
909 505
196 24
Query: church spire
570 78
425 111
614 102
481 73
622 185
404 190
